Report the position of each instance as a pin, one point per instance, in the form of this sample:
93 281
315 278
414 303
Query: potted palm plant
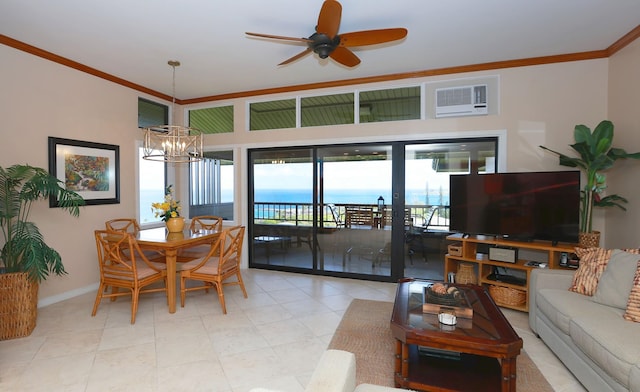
596 155
25 258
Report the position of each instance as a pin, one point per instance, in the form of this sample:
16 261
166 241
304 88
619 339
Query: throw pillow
633 305
592 264
616 281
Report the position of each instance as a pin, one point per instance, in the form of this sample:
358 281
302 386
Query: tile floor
272 339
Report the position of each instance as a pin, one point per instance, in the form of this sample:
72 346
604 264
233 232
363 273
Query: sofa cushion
560 306
634 378
336 371
377 388
613 345
632 312
616 281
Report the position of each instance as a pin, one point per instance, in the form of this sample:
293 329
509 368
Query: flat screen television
523 206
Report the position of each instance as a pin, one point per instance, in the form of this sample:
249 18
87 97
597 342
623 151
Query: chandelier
172 143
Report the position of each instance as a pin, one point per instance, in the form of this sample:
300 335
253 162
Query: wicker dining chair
221 263
133 272
201 222
130 225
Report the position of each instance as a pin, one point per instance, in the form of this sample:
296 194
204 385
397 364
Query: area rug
364 331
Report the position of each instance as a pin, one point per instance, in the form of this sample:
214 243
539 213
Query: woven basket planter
589 240
18 305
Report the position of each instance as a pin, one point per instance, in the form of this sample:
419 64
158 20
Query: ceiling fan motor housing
323 45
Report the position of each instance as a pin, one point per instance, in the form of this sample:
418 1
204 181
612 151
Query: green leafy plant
24 249
596 154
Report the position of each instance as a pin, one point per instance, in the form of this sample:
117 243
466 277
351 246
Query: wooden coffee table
477 354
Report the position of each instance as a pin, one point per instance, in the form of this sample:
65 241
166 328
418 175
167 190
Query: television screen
519 206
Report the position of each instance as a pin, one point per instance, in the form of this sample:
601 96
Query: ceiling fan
327 43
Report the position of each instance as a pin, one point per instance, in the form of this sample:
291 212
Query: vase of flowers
169 211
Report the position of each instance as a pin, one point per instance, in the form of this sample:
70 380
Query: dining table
159 239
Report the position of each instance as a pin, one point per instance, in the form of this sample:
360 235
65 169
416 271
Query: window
327 110
212 120
272 115
211 184
151 174
390 105
151 113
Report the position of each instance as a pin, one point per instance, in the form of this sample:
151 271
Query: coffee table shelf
451 374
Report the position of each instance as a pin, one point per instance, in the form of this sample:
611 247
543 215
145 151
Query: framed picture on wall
90 169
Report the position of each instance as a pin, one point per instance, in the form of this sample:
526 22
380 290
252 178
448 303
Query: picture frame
90 169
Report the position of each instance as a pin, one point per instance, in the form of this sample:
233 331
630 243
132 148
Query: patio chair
221 263
133 272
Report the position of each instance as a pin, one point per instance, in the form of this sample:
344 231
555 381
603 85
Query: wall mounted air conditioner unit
461 101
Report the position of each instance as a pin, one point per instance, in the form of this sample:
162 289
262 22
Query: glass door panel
281 229
427 170
354 185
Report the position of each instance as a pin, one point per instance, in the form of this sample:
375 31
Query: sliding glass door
378 210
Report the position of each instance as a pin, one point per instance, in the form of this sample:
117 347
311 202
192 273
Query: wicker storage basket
507 296
466 274
455 249
18 305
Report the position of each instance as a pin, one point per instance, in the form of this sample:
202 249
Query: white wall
623 107
539 105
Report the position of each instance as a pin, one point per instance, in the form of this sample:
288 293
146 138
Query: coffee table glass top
480 326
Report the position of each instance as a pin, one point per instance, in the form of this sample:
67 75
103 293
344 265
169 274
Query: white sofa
336 372
588 333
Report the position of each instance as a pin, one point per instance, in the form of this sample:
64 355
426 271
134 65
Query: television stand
484 268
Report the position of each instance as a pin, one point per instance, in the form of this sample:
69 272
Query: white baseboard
67 295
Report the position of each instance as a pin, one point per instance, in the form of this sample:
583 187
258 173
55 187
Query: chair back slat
206 222
232 253
127 225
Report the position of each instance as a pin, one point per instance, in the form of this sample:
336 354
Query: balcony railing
301 214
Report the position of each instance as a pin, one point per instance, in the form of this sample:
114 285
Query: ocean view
336 196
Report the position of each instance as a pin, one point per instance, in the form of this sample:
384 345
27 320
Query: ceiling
134 39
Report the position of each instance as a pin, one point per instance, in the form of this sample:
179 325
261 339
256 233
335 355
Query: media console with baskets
510 290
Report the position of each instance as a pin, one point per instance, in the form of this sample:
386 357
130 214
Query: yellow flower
169 208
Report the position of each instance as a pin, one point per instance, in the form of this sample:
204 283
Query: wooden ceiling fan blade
305 40
345 57
294 58
329 18
372 37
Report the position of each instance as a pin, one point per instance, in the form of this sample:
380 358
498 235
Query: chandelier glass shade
172 143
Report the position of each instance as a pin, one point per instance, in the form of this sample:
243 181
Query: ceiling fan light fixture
172 143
